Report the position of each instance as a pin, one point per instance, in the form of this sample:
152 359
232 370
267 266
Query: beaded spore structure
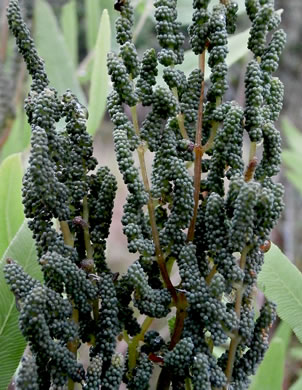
202 211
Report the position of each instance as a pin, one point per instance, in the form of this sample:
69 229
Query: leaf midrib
7 317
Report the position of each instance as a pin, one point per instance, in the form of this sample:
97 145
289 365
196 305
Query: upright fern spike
209 227
60 314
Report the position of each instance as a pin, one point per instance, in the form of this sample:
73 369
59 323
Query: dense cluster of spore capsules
209 231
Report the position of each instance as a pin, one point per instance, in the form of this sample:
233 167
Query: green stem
126 337
210 141
180 117
158 251
214 128
211 274
198 151
68 239
73 344
164 379
235 337
133 344
89 251
188 384
170 262
253 149
249 173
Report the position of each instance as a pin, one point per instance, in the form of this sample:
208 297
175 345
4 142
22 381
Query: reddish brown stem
236 337
198 152
158 251
182 301
165 376
250 170
179 321
72 345
211 274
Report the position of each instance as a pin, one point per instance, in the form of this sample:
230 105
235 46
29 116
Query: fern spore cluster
212 226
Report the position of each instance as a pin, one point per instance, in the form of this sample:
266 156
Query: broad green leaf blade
270 373
11 208
84 73
92 18
12 344
113 15
69 22
297 385
284 332
281 282
99 79
19 138
53 49
274 360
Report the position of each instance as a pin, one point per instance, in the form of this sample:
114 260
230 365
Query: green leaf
293 135
19 138
297 385
296 353
292 156
52 48
92 18
281 282
113 15
284 332
99 79
11 208
270 373
12 343
274 360
69 22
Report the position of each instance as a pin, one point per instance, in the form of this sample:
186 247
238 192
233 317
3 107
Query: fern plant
202 211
